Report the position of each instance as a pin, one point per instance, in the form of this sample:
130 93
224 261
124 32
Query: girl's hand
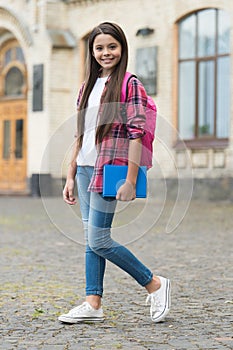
68 192
127 192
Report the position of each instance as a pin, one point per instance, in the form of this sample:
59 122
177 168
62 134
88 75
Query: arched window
204 75
14 82
12 71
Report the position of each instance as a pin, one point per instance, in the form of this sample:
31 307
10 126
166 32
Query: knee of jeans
99 240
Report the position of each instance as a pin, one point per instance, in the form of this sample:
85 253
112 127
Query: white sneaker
160 301
81 313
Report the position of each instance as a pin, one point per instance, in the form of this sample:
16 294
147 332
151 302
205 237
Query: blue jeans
97 216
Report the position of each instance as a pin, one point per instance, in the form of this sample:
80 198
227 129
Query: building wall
49 137
162 17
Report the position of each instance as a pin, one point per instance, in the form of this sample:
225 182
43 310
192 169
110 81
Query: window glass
19 54
6 139
187 37
206 98
14 82
223 97
223 32
206 32
19 138
187 100
204 75
8 57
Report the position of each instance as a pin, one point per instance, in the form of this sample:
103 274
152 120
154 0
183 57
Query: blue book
114 176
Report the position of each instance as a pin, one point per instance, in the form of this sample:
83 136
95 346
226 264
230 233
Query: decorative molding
62 39
5 36
10 16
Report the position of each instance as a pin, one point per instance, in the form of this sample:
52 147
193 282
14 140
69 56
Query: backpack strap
124 96
125 88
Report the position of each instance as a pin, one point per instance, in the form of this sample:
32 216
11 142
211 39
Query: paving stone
42 275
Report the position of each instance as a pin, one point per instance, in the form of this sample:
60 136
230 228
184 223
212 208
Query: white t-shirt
88 154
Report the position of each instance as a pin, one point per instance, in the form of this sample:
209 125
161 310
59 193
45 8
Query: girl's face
107 52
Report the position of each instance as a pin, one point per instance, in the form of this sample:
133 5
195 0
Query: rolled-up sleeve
136 109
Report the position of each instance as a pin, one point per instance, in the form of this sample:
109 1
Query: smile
109 60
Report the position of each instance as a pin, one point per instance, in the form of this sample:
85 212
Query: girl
103 139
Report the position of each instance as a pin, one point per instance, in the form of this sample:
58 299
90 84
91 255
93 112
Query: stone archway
13 118
14 38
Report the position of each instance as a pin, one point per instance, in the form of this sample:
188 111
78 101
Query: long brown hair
113 91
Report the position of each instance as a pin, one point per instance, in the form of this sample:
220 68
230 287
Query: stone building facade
181 49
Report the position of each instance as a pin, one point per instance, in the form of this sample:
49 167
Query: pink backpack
151 114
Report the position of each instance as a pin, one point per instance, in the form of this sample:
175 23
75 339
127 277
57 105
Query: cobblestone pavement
42 276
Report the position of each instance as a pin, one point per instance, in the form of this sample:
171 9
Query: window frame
205 141
5 68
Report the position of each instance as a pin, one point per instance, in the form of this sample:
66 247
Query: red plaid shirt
114 147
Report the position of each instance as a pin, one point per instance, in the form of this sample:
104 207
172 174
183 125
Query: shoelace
155 302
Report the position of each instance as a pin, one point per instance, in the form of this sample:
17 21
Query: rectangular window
206 99
223 97
187 99
19 139
6 139
223 32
